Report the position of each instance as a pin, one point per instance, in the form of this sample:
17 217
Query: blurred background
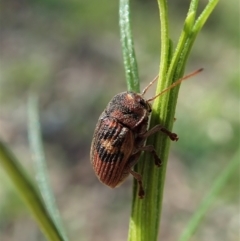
69 50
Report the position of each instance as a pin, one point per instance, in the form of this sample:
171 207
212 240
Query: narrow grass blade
219 183
35 140
129 58
25 187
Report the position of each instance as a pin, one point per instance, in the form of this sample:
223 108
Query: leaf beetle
120 135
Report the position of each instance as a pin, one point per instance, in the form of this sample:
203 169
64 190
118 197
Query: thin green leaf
129 59
186 32
199 23
25 187
219 183
193 7
205 15
164 29
34 132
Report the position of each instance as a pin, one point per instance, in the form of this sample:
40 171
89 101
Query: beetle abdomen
111 148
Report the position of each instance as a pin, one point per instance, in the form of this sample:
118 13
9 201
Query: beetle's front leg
172 136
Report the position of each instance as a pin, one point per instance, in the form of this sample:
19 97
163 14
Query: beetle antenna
172 85
146 88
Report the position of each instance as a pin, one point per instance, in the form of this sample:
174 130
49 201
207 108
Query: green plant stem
219 183
29 193
145 217
144 220
34 132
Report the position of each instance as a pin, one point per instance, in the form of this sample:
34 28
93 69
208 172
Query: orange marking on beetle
108 146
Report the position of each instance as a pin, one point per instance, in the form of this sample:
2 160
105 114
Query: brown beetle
120 134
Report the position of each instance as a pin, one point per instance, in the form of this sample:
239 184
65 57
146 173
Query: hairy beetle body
119 139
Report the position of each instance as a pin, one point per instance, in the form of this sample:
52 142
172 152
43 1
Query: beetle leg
152 150
138 177
134 159
157 128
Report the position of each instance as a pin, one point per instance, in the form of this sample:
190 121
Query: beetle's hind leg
131 162
138 177
134 159
152 150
